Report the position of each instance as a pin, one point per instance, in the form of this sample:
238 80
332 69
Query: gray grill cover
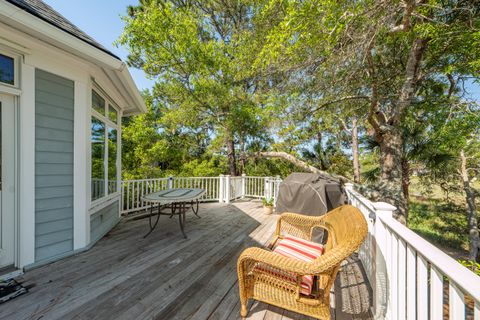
310 194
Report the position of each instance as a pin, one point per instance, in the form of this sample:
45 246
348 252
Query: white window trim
107 199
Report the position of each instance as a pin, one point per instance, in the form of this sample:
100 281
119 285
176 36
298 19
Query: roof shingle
43 11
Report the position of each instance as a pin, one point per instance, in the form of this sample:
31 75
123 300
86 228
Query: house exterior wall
103 220
54 125
52 220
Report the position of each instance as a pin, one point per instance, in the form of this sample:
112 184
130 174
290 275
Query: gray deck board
167 277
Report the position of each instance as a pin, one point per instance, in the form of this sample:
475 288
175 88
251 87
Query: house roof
43 11
39 20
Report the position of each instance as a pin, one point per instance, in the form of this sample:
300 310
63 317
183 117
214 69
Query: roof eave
32 25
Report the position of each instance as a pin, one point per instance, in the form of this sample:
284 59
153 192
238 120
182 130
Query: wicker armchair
346 228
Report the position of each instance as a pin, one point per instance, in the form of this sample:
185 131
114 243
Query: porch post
220 188
384 283
170 182
227 189
267 191
243 184
276 190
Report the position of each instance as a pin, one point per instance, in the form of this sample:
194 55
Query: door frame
16 228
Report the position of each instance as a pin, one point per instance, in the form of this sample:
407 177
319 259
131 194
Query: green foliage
472 265
193 50
267 202
204 168
442 223
269 167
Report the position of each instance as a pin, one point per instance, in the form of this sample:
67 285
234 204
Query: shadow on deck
168 277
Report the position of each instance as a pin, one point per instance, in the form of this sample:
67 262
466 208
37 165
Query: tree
192 49
152 148
459 136
382 52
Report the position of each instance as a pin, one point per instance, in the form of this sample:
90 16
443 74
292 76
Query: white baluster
411 283
422 288
436 294
456 302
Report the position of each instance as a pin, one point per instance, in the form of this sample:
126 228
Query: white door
7 181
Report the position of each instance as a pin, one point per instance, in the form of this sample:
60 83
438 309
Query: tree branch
299 163
346 98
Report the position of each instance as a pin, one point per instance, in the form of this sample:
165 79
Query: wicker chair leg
242 289
243 310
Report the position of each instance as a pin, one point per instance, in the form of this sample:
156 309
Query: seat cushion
295 248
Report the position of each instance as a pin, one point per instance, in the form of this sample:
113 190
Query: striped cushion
295 248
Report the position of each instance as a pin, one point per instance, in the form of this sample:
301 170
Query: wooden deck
167 277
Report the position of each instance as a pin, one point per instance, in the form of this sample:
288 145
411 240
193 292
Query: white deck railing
222 188
411 278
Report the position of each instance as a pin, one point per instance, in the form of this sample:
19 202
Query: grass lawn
443 223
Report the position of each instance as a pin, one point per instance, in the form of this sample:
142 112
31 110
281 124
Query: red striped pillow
298 248
295 248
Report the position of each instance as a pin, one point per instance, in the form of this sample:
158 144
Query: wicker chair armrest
251 256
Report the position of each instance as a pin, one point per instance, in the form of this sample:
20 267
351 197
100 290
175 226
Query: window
112 113
98 159
7 70
112 160
104 143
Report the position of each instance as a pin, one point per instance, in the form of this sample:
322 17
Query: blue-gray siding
102 221
54 103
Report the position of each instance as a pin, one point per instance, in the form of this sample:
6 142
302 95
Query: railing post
170 182
276 189
227 189
243 184
384 285
266 193
220 189
348 186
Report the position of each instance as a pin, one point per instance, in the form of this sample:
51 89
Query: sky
101 20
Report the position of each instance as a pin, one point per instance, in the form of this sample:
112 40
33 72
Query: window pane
112 113
98 156
7 69
112 160
98 103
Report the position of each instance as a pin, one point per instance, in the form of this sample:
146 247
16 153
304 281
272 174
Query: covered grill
310 193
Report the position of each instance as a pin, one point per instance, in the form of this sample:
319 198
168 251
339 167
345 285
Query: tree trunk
232 165
321 153
243 159
406 178
387 127
473 231
391 183
355 152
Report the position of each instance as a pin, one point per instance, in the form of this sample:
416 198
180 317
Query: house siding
103 220
54 121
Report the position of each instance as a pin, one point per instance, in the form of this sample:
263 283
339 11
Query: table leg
195 210
181 218
173 207
150 220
